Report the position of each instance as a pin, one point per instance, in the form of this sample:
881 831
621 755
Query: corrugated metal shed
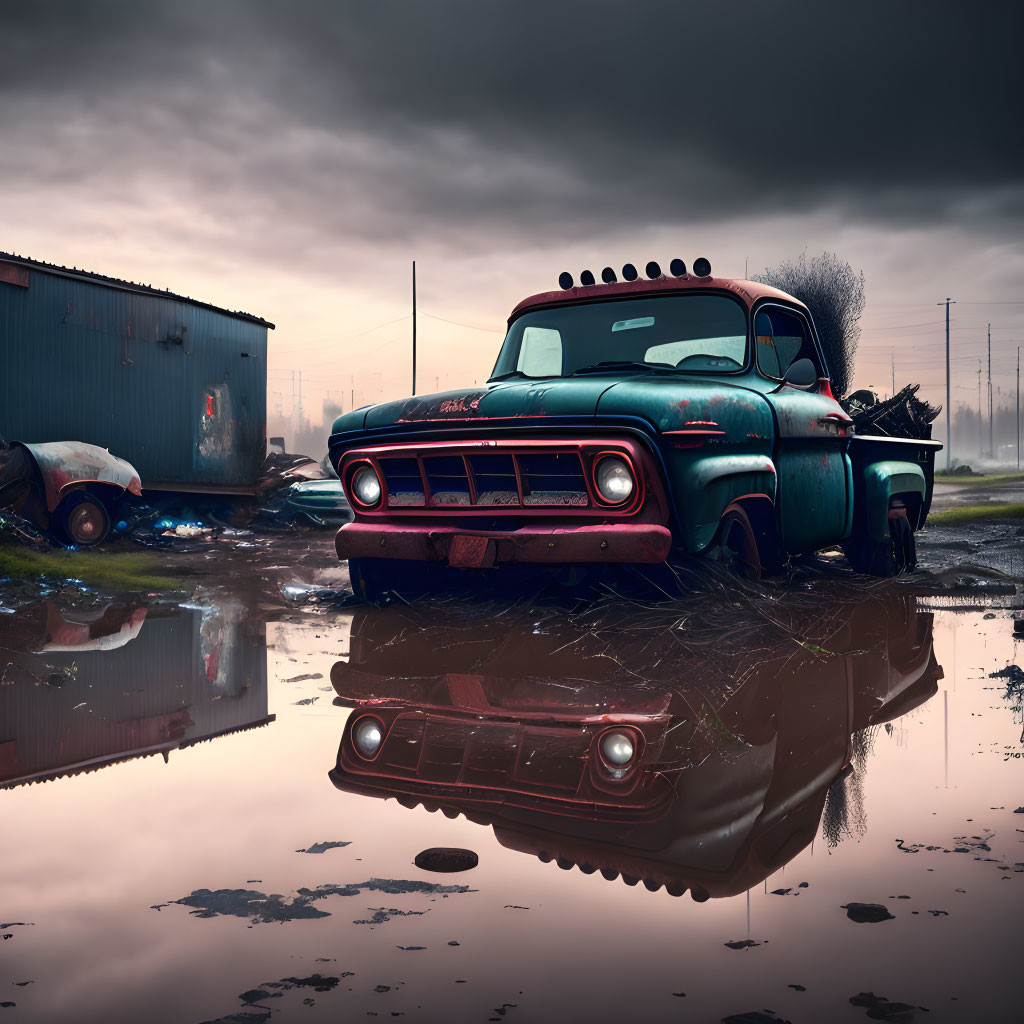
175 386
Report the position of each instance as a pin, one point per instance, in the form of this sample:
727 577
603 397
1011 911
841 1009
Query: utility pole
892 354
414 327
949 411
991 436
980 442
1018 406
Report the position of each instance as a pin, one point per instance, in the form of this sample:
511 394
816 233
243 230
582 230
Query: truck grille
491 480
530 477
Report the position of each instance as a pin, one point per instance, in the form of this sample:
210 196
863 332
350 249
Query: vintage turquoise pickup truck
627 422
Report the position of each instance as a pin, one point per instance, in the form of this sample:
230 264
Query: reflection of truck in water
707 777
84 689
624 421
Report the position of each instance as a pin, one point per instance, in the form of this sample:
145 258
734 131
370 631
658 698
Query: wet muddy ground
800 800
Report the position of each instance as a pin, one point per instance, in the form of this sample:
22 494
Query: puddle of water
189 831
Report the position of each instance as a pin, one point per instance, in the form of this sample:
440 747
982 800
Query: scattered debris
902 415
303 678
754 1017
742 944
867 913
444 859
323 847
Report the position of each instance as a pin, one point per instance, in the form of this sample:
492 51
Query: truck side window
781 338
540 354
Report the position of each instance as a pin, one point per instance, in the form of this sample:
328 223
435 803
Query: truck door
814 475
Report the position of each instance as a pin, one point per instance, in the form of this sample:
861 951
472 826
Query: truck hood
573 396
666 402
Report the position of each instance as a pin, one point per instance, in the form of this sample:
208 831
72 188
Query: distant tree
834 293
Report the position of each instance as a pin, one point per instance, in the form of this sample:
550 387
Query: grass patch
964 514
979 481
129 571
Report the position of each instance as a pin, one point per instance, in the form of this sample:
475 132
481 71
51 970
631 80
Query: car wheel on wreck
891 557
82 520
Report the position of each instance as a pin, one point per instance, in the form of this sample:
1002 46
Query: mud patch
867 913
323 847
261 908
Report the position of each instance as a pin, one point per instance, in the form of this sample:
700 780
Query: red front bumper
621 542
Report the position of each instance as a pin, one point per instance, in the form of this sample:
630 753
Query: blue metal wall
176 389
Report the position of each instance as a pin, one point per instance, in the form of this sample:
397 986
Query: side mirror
801 374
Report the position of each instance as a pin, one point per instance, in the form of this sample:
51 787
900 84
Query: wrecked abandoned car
624 422
68 488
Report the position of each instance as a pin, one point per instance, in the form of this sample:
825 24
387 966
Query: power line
457 323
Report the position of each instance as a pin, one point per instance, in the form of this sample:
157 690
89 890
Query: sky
292 160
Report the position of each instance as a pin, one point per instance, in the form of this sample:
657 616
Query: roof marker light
565 280
608 276
701 267
629 272
586 279
677 268
653 270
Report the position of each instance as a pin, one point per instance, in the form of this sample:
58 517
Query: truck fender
717 481
882 482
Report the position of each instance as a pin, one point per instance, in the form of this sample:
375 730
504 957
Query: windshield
686 333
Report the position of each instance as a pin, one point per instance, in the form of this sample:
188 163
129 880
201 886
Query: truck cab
624 422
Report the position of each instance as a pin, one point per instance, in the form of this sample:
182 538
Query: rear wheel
82 520
891 557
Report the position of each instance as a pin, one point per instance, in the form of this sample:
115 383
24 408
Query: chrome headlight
365 485
614 479
618 749
367 736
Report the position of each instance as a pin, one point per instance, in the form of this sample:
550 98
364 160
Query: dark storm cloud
458 119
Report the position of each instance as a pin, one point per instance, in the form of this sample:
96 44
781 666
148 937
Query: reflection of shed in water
708 777
86 690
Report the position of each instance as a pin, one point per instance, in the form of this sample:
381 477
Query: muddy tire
889 557
377 580
368 582
82 521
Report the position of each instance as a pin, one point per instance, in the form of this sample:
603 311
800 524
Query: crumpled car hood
63 463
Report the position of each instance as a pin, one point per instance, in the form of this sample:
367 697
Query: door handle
840 419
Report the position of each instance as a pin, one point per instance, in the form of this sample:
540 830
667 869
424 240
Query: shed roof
125 286
747 291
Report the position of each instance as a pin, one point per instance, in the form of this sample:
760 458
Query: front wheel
736 544
82 520
376 580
